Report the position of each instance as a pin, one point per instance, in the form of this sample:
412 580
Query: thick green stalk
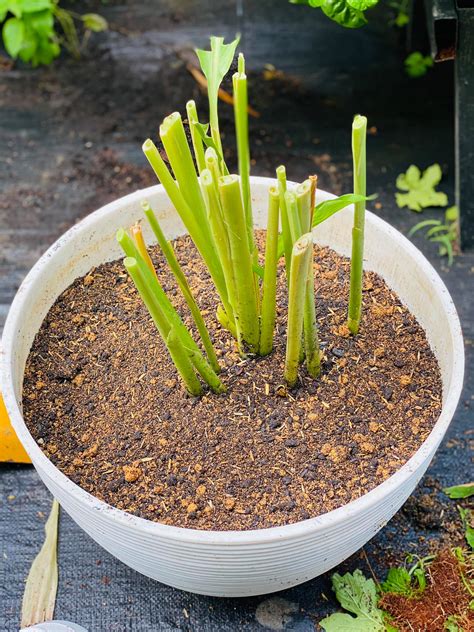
179 155
299 214
170 256
183 363
221 239
198 144
212 164
359 133
300 259
246 313
268 313
239 81
285 227
178 353
293 216
206 250
207 372
303 199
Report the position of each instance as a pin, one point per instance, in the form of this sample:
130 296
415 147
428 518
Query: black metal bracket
451 34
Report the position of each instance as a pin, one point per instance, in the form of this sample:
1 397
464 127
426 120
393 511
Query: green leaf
416 64
215 64
451 214
41 22
446 247
341 12
362 5
13 36
451 624
421 188
357 595
402 19
94 22
15 8
436 229
399 582
324 210
42 581
427 222
460 491
4 8
467 517
32 6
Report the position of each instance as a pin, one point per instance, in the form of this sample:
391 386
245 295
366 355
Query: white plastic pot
232 563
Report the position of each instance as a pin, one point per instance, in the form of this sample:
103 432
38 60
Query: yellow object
10 446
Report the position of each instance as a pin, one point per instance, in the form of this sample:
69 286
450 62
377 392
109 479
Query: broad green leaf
42 581
362 5
357 595
398 581
41 22
341 12
31 6
420 188
460 491
94 22
4 8
13 36
14 7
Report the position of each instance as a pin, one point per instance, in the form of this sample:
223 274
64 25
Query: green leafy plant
443 233
357 595
466 490
420 188
467 517
216 209
401 8
348 13
29 29
417 64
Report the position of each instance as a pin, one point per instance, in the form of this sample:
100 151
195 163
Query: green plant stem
198 144
293 216
239 81
268 313
246 309
212 164
162 304
359 132
169 334
179 155
303 198
207 252
301 254
285 227
221 239
170 256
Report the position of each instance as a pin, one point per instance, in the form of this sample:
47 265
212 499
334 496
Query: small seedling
443 233
216 209
417 64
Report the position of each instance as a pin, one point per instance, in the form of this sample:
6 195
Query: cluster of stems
216 209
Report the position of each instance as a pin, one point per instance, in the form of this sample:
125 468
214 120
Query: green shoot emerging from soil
216 209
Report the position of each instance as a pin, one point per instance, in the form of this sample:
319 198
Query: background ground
71 137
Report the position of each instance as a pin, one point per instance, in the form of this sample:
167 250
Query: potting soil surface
72 137
103 399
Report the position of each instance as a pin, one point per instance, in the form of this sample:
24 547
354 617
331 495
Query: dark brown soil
444 597
103 400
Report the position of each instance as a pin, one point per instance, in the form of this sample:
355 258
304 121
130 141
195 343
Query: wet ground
71 137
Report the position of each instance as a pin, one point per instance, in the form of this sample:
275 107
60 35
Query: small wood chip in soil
104 402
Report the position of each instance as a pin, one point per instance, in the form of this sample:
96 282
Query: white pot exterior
232 563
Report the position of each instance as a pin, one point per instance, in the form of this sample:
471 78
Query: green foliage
399 582
420 188
347 13
417 64
467 517
460 491
357 595
29 29
444 233
452 624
